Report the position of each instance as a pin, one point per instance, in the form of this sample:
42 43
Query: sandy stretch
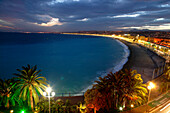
142 60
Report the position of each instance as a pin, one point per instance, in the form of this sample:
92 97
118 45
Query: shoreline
113 69
134 62
144 61
117 67
138 59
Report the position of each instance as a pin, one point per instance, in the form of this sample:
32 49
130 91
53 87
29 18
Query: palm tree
7 95
165 84
168 77
30 84
111 86
115 89
134 89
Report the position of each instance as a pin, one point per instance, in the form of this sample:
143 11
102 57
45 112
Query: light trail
165 107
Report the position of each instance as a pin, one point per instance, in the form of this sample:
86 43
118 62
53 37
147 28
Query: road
165 109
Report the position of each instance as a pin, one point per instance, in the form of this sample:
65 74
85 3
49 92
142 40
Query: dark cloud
75 15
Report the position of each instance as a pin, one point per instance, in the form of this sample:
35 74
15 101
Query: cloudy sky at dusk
76 15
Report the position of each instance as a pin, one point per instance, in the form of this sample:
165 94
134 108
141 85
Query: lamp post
150 86
49 94
11 111
121 108
132 106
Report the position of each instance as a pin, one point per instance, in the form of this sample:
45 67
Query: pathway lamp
121 108
132 106
11 111
150 86
49 94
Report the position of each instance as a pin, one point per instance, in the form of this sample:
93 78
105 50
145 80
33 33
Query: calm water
70 63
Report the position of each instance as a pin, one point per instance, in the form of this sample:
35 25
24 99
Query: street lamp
121 108
11 111
132 106
49 94
150 86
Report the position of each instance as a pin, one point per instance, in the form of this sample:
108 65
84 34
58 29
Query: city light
48 90
151 85
44 93
49 94
120 108
131 105
53 93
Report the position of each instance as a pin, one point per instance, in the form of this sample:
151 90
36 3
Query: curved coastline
116 68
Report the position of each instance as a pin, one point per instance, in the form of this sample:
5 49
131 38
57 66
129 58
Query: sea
70 63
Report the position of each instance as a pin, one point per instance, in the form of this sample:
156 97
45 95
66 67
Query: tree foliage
57 106
7 95
113 90
30 84
166 82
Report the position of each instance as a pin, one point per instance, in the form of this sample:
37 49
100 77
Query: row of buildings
159 41
157 37
159 45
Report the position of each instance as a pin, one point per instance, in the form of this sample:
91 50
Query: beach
140 59
144 61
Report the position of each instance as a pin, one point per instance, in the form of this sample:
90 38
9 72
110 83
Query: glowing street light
150 86
120 108
48 90
131 105
11 111
49 94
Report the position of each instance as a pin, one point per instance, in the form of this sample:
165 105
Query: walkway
154 105
142 60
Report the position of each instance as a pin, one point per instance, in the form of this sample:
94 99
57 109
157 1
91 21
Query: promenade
145 61
142 60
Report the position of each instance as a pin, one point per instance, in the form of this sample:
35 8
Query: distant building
142 37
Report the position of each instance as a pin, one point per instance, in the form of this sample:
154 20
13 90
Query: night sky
78 15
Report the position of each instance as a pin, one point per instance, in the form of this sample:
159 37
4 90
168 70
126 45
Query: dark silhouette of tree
111 91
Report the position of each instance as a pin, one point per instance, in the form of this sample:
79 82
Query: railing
69 94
